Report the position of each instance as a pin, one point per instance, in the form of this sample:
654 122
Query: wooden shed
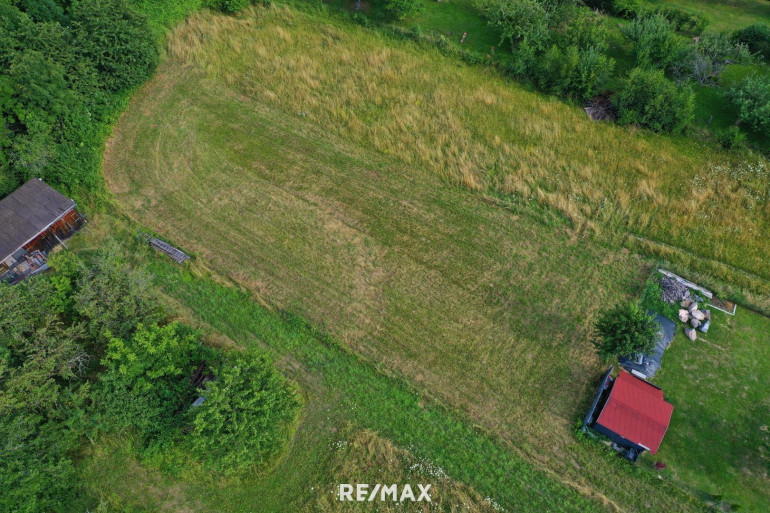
34 219
631 412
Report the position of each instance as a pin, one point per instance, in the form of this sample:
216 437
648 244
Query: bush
652 299
683 21
113 297
752 97
246 415
226 6
400 9
653 43
706 59
731 137
649 99
573 72
757 38
623 331
523 24
588 31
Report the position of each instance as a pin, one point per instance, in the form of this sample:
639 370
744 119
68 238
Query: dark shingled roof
27 212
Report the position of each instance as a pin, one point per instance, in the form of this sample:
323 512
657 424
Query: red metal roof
636 411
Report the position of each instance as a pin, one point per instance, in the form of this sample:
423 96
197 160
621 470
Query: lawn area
719 439
365 212
725 14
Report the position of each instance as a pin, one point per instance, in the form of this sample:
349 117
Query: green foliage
652 299
113 297
521 23
623 331
41 364
573 72
622 8
752 98
63 68
693 23
146 379
731 137
115 40
227 6
703 61
400 9
757 38
653 43
246 415
588 30
649 99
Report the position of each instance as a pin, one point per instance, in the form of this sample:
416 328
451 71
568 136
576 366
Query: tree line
65 67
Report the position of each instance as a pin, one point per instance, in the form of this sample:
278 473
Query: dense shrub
622 8
653 43
41 405
647 98
246 415
573 72
520 22
752 98
731 137
651 299
705 59
757 38
146 379
587 30
400 9
683 21
227 6
114 298
623 331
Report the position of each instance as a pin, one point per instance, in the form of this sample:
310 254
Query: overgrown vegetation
648 99
752 97
64 375
63 69
651 299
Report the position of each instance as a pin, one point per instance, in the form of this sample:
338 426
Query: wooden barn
631 412
34 219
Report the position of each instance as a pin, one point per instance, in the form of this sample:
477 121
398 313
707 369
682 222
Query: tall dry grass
472 127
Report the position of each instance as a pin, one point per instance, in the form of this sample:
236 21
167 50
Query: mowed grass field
482 300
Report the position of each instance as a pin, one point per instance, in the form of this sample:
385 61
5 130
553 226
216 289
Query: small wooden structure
631 412
34 219
175 254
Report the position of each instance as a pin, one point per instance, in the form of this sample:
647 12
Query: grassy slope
473 128
719 440
486 309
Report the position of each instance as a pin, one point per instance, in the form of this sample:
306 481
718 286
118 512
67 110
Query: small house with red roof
631 412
